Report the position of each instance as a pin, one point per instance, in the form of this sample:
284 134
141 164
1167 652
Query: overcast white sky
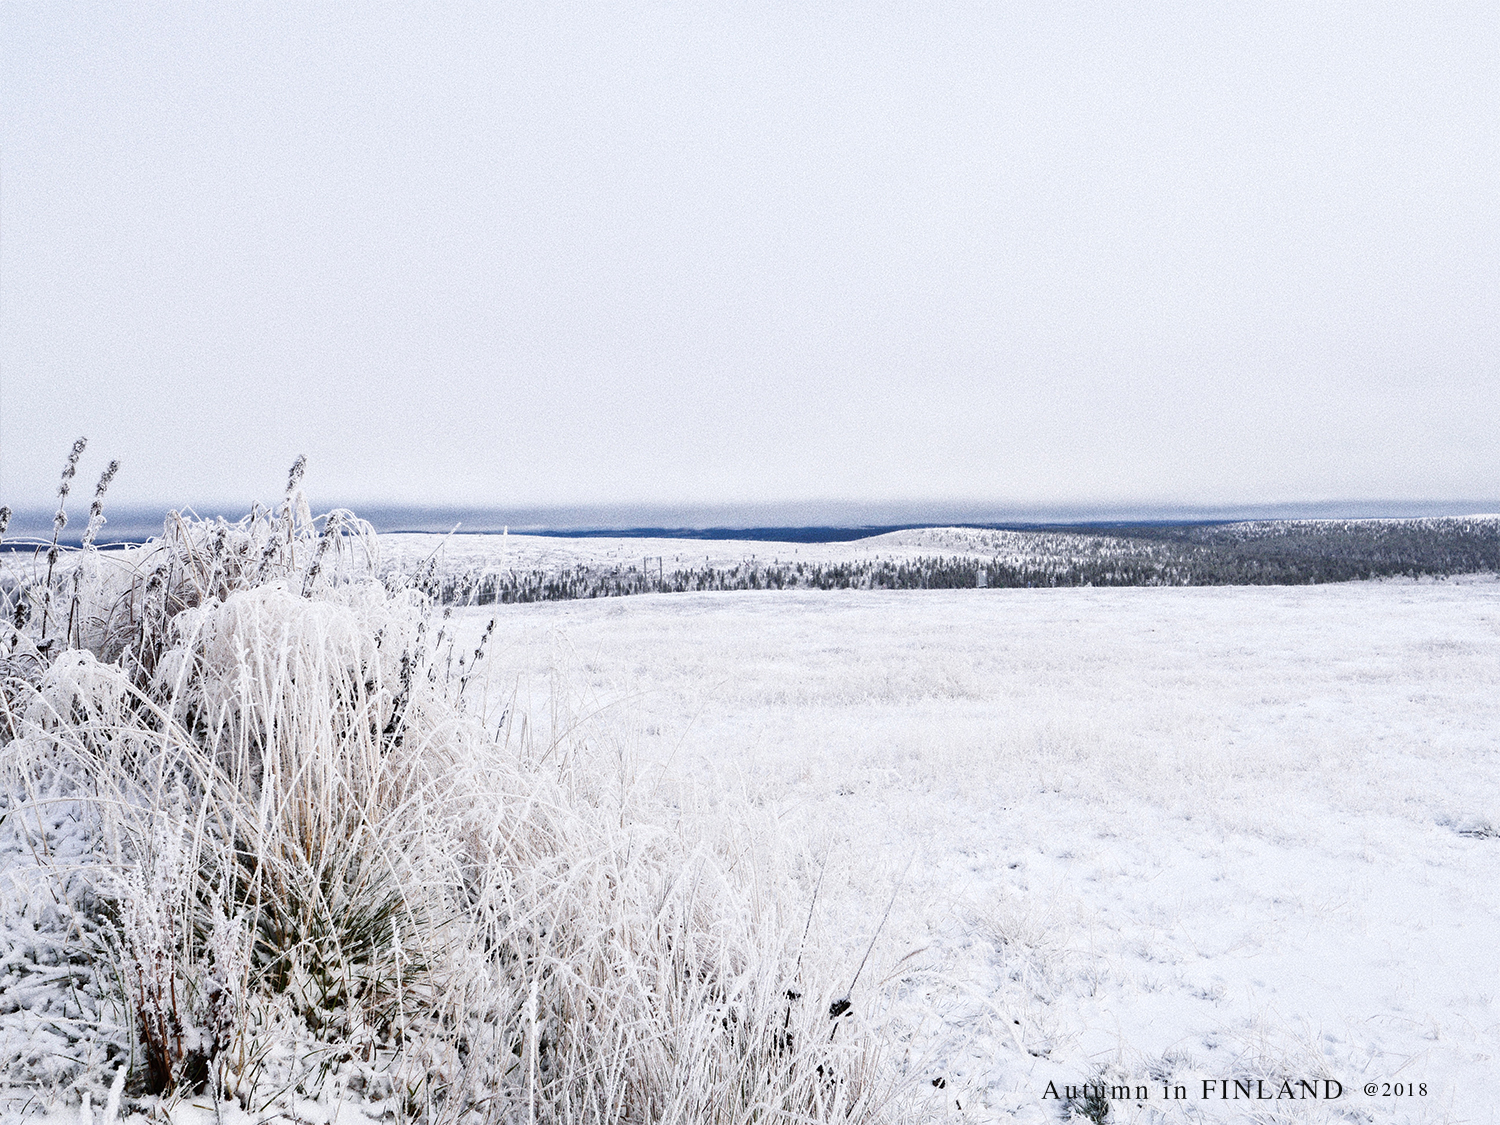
530 254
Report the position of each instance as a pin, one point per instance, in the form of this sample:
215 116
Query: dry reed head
64 486
96 509
60 520
294 477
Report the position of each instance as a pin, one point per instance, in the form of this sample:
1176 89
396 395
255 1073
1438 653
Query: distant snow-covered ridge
483 569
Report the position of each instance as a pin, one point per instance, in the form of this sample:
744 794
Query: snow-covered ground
1163 837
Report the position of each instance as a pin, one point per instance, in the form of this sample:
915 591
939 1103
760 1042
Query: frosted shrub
299 861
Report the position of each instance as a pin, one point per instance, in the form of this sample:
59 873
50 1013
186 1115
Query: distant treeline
1271 553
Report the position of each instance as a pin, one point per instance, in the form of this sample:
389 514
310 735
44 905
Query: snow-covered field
1163 837
553 554
482 569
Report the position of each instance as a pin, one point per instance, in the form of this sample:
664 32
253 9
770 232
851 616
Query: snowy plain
405 552
496 554
1156 837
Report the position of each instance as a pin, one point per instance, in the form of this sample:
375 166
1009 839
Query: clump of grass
249 779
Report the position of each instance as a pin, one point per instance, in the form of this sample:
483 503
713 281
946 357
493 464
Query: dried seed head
60 520
72 466
104 479
294 478
96 509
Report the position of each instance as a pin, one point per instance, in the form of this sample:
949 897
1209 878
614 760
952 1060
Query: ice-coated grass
258 843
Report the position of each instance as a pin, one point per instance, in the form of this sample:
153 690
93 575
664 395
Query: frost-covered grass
262 844
1156 835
